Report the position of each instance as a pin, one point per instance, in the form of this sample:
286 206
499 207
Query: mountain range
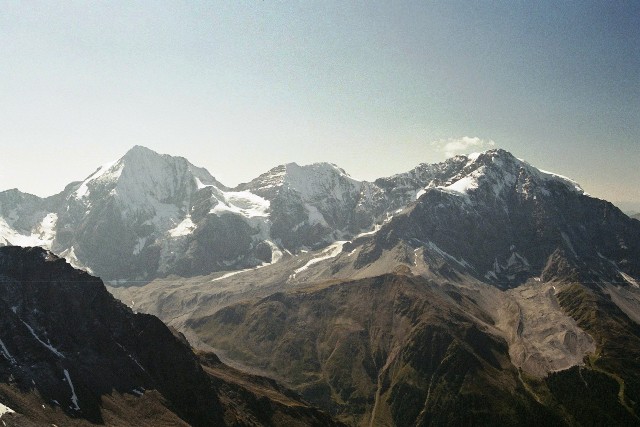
148 215
480 290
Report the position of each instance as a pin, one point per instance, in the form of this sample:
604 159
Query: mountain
490 292
490 217
479 290
149 215
404 350
73 355
504 221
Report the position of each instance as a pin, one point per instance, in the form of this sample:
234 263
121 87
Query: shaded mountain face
67 343
503 221
71 354
373 352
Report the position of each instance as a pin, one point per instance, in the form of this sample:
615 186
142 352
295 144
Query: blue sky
376 87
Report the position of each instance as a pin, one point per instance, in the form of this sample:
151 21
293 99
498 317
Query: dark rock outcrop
72 354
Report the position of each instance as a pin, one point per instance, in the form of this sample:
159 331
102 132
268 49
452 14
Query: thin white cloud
452 146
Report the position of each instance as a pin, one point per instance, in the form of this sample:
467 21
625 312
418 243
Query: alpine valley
476 291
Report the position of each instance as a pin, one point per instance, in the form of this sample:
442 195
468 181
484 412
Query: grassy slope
391 350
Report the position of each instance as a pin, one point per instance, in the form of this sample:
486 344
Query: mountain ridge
72 354
149 215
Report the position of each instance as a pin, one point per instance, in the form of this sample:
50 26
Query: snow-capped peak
142 174
319 180
313 181
499 170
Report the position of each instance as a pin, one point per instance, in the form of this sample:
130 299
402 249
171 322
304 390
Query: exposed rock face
70 353
504 221
68 341
149 215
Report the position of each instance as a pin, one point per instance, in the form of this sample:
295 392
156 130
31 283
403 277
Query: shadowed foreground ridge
72 354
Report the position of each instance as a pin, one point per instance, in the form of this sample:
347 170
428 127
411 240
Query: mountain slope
143 216
403 350
67 342
504 221
73 355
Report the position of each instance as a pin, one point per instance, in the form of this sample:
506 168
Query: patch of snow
6 354
323 180
184 228
199 183
242 203
47 229
83 190
315 217
71 257
523 259
139 245
233 273
376 227
74 397
164 215
473 157
569 244
464 185
629 279
608 260
330 252
5 410
462 262
129 354
42 235
567 181
276 253
47 344
491 275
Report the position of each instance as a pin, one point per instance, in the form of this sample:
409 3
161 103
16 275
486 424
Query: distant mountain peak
141 150
498 172
309 181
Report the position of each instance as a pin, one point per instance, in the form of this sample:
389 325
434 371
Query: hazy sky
377 87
